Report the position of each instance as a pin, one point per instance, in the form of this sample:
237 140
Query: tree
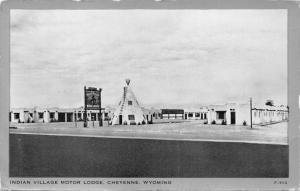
270 102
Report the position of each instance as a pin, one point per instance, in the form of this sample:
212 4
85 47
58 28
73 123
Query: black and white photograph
148 93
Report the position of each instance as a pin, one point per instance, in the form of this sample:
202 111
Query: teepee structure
128 111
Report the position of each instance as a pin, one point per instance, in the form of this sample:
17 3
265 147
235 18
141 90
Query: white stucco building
240 114
197 114
48 115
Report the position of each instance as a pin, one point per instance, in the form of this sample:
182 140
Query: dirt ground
177 130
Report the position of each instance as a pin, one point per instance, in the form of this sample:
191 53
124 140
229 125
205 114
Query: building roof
172 111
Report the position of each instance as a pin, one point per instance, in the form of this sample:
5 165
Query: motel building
172 114
266 114
196 114
151 114
229 114
49 115
239 114
225 114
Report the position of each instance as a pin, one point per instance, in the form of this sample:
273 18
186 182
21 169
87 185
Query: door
232 114
120 120
94 116
69 117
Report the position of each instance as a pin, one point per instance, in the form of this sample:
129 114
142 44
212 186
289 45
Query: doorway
120 120
69 117
232 114
61 117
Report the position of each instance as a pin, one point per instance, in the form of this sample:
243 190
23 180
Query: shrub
132 123
125 123
244 123
150 122
213 122
205 122
139 123
143 122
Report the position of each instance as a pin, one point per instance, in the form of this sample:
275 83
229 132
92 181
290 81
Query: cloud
172 56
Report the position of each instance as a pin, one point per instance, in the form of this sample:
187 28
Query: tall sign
92 98
92 101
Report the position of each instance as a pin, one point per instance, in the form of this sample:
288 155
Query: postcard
149 95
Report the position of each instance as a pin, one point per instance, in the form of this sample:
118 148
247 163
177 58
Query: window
79 115
129 102
41 115
130 117
190 114
17 115
52 115
197 114
204 115
221 115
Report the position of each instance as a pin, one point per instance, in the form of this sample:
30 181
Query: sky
173 57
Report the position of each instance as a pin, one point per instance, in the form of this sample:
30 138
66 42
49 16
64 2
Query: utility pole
100 113
85 114
251 112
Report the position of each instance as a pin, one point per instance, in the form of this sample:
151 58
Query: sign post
75 118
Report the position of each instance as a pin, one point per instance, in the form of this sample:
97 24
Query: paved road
187 130
76 156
